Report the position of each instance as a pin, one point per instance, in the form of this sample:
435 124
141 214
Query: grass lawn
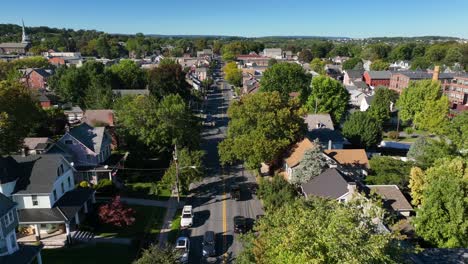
148 221
142 189
175 227
99 253
401 139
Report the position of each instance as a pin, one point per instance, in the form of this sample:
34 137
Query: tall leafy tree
232 74
327 96
261 126
441 219
156 255
414 98
127 75
311 166
190 169
362 129
168 78
379 65
318 66
384 99
305 55
351 63
318 231
275 192
285 78
434 116
426 151
388 170
457 130
416 185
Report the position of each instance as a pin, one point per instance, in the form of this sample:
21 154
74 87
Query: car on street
187 216
209 121
235 192
209 249
183 246
240 224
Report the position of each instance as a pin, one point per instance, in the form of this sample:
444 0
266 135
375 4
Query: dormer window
35 202
60 170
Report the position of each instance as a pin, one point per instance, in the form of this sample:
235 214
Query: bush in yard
115 213
84 184
105 186
409 131
275 192
393 135
157 255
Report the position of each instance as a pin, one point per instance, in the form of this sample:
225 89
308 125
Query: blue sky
351 18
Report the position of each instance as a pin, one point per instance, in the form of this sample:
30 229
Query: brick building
401 80
36 78
456 90
377 78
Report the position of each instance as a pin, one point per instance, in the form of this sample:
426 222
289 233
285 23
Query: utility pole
177 172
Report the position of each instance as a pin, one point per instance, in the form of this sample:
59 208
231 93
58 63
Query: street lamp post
178 170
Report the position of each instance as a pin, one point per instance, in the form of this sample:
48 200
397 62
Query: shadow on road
200 218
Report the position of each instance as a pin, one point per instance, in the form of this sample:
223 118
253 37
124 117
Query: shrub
84 184
409 131
105 186
115 213
393 135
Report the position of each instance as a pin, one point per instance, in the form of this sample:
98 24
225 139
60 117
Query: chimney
329 144
24 152
351 189
111 119
435 74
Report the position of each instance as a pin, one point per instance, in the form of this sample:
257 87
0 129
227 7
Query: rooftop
349 157
329 184
380 74
92 137
298 151
392 196
316 121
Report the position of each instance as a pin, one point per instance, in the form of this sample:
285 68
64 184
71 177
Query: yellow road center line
224 223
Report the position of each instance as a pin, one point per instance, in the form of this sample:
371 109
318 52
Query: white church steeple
25 38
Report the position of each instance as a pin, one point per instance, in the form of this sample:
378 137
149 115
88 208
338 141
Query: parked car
240 225
235 192
183 245
209 249
209 121
187 216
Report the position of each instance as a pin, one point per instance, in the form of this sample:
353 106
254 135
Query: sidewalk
172 206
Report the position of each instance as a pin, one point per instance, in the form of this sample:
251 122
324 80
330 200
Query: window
69 182
69 142
63 188
35 202
60 170
12 240
11 216
55 195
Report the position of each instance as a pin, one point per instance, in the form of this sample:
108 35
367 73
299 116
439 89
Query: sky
249 18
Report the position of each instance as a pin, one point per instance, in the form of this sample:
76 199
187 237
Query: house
99 117
64 58
339 59
330 184
205 53
288 55
17 48
295 157
366 102
88 148
401 80
201 73
74 113
37 145
355 95
320 127
274 53
333 71
352 162
43 187
377 78
251 85
456 90
333 184
252 60
401 65
133 92
10 250
43 99
352 75
393 198
36 78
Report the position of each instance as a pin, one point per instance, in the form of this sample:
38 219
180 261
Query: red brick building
401 80
377 78
36 78
456 90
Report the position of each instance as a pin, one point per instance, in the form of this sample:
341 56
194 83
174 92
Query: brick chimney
435 74
351 189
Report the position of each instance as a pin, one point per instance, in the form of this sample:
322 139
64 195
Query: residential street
213 208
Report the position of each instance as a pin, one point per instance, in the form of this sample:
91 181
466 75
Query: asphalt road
213 208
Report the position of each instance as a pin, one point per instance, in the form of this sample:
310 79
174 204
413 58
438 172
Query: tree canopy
362 129
156 255
441 219
318 231
261 126
379 65
327 96
127 75
384 98
275 192
285 78
426 151
388 170
457 131
311 166
168 78
232 74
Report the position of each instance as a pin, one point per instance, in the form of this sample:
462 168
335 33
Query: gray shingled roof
380 75
38 173
24 255
13 45
326 134
38 215
92 137
422 75
354 74
329 184
313 120
9 169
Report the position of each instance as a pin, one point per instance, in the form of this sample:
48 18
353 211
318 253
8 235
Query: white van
187 216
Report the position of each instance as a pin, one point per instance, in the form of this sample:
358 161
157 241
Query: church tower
25 38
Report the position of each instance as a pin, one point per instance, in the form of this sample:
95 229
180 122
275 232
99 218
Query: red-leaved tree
115 213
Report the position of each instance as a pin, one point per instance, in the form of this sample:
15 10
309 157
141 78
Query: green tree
441 219
351 63
318 231
402 52
416 185
454 55
379 65
318 66
232 74
436 53
156 255
19 115
275 192
305 55
388 170
261 126
426 151
127 75
285 78
414 98
383 99
420 63
434 116
457 131
377 51
311 166
168 78
327 96
190 169
272 62
362 129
